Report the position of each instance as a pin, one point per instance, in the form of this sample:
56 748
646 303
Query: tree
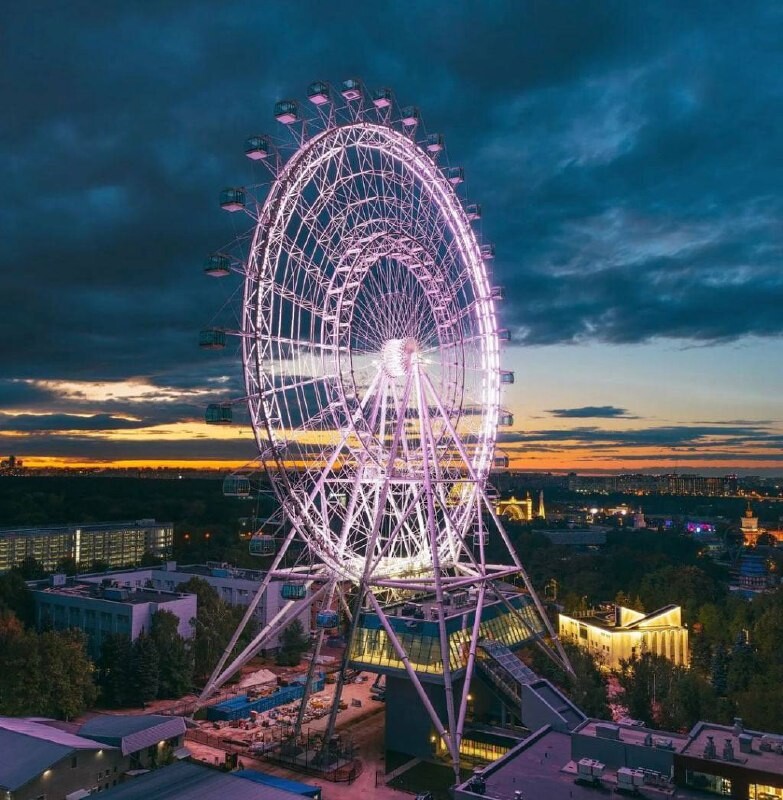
145 669
30 569
47 674
20 675
214 624
16 598
67 687
293 644
174 655
114 675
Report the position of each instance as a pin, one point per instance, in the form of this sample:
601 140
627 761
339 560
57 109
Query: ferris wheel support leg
249 611
474 637
566 664
338 689
308 687
283 617
432 523
414 678
362 588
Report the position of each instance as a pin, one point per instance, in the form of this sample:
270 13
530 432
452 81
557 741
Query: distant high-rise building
541 511
118 544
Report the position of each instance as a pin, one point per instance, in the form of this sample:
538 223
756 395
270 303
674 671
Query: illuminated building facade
624 632
749 526
118 544
516 510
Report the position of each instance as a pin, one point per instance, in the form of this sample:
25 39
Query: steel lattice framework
372 372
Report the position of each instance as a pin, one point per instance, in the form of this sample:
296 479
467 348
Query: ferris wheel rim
287 189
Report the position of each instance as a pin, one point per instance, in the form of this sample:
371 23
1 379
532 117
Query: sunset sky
628 157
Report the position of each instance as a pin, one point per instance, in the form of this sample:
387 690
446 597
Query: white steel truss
372 375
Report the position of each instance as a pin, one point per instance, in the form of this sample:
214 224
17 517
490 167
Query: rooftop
634 734
763 751
133 733
541 767
28 748
87 526
193 782
112 594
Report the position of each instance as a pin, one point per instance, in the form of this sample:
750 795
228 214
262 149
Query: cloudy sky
628 157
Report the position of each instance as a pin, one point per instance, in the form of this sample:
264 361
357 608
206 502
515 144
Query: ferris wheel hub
397 355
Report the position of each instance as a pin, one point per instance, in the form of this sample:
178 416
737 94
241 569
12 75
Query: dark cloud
701 438
38 423
627 157
586 412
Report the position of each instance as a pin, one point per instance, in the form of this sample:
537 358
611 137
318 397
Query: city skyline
626 158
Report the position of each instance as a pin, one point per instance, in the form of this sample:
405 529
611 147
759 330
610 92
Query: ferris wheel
371 360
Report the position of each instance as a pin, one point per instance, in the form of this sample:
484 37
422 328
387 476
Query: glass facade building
372 649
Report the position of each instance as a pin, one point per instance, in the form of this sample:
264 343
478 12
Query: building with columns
622 632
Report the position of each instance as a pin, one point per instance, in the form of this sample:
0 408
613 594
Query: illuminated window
705 782
757 791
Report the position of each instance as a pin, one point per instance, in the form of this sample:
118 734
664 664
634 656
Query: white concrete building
623 632
235 585
100 610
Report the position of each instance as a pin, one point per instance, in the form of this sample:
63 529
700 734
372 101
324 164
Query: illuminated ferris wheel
370 349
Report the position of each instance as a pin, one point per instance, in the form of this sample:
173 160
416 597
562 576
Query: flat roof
92 591
86 526
762 760
541 767
634 734
194 782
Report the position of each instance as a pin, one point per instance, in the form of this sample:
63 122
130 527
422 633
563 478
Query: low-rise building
117 544
622 632
147 740
188 781
234 585
100 610
732 762
600 757
37 760
40 760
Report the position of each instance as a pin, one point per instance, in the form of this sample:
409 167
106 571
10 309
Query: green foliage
16 598
145 669
293 644
115 671
214 624
67 685
663 694
47 674
175 656
156 665
587 688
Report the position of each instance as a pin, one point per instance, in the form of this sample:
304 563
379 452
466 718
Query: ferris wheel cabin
236 486
212 339
410 116
351 89
455 175
232 199
293 591
318 93
261 544
382 98
257 148
287 111
435 143
217 265
219 414
326 619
